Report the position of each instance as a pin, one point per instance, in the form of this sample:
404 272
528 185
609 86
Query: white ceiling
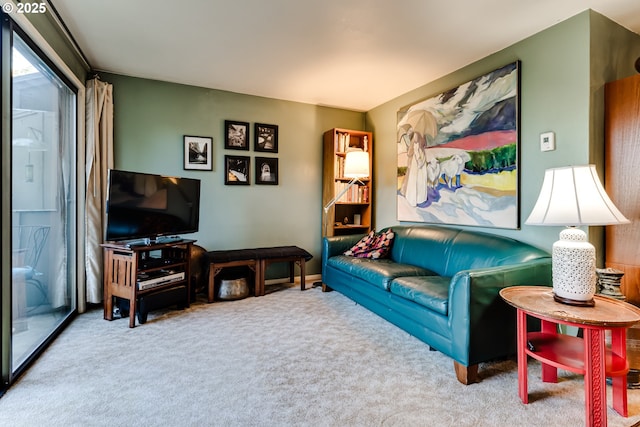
353 54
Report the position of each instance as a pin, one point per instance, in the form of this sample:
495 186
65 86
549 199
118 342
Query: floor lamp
356 166
573 197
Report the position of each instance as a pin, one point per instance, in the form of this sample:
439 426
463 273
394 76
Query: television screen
142 205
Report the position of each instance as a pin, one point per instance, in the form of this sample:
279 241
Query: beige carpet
289 358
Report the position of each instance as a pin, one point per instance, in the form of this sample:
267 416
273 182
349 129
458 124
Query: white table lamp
573 196
356 166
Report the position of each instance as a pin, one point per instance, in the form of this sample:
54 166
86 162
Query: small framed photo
236 135
266 170
198 153
266 138
236 170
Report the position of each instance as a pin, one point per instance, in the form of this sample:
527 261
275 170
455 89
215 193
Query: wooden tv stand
124 265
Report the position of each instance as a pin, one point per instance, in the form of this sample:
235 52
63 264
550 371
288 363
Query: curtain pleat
99 159
58 237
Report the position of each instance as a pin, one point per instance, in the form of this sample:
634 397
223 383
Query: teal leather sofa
442 286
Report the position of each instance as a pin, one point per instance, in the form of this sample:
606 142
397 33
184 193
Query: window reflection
42 197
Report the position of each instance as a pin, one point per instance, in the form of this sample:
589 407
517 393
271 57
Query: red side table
586 356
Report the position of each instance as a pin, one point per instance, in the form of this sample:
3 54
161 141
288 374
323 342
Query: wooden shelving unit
342 217
124 266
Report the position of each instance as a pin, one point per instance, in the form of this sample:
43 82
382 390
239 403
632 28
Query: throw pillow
373 246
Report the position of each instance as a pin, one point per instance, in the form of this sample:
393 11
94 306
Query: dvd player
164 278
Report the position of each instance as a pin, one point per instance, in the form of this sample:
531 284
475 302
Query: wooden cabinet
352 213
622 163
144 271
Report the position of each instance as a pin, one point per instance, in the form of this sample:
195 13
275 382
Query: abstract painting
458 154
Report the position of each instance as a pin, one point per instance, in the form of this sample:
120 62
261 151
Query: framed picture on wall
198 153
459 163
236 170
266 138
266 170
236 135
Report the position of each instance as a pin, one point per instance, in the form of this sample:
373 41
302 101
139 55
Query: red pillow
373 246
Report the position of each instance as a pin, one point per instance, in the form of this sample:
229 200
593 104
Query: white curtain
99 159
59 235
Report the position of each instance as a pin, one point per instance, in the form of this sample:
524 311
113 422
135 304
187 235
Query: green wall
150 119
559 93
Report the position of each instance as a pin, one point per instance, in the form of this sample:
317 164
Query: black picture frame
266 170
236 135
265 137
237 170
197 153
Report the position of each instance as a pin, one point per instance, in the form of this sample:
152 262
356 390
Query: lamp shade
573 196
356 164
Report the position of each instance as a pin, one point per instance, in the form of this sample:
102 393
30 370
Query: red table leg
549 372
522 356
619 383
595 391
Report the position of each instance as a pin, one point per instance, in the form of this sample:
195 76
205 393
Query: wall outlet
547 141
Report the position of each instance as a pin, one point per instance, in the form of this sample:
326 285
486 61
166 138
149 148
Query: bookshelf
352 213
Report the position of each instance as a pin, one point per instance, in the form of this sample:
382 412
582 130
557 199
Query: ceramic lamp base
574 268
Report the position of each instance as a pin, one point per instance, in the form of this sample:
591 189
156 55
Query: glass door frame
38 44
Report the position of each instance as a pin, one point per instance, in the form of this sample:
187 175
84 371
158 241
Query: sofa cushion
429 291
378 272
427 246
373 245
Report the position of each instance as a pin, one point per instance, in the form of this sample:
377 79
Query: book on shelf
355 194
344 139
339 167
346 142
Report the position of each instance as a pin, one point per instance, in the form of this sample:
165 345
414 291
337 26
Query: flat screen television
143 205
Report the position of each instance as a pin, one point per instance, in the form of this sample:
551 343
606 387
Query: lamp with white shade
573 196
356 167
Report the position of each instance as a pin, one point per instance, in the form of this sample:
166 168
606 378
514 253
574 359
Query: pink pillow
373 246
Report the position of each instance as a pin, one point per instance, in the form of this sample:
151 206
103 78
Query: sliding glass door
43 205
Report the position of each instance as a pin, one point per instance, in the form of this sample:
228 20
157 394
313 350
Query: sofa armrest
478 282
481 322
336 245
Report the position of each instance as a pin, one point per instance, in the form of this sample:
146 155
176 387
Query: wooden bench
258 260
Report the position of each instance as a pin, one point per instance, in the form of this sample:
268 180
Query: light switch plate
547 141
